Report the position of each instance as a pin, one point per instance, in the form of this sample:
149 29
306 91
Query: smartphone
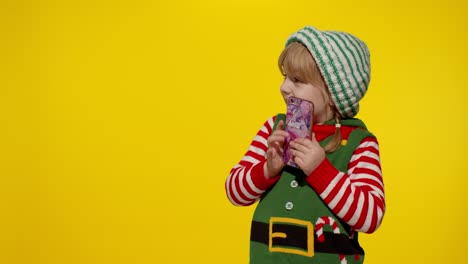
299 114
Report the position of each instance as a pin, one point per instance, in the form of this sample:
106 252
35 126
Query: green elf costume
316 218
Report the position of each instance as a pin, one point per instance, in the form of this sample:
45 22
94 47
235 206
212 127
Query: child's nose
285 87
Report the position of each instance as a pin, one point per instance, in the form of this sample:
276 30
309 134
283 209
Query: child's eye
292 78
296 80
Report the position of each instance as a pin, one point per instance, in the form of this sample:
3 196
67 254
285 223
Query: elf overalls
292 224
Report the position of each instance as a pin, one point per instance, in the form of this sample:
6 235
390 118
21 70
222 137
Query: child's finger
274 141
297 147
303 142
280 125
283 134
268 154
313 138
278 136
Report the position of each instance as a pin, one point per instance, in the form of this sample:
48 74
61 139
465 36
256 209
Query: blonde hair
296 62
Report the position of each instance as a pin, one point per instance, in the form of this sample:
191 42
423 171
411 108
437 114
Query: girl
313 214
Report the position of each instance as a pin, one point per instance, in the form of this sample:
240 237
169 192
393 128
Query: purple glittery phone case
298 124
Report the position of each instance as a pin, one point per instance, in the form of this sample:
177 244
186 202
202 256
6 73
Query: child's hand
275 152
308 154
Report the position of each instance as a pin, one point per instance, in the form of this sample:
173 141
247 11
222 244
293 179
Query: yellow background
120 121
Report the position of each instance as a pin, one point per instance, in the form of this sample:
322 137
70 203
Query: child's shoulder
354 129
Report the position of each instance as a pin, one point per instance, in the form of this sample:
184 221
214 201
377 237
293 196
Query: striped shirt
357 196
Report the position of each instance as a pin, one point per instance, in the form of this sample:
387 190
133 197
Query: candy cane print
326 220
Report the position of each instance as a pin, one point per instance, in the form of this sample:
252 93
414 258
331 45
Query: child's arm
357 197
246 181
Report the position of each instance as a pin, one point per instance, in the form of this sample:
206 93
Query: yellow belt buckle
291 221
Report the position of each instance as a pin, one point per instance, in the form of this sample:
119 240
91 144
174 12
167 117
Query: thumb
280 125
312 138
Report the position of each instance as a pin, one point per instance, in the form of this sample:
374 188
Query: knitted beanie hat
343 61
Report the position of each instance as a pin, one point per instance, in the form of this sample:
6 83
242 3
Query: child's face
312 92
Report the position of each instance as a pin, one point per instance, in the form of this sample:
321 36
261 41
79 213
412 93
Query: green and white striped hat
344 63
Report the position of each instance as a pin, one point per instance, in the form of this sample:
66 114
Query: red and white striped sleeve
357 196
246 181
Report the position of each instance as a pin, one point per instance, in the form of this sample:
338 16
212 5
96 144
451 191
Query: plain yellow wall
120 121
